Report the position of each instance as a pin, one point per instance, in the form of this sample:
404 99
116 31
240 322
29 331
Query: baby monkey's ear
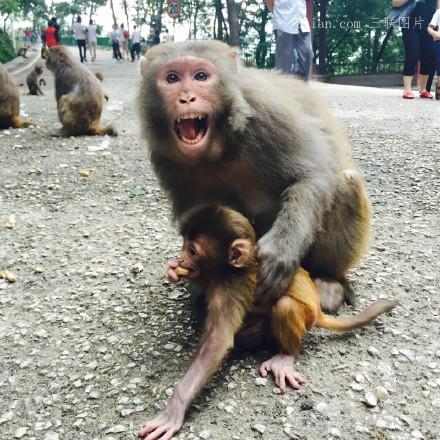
239 252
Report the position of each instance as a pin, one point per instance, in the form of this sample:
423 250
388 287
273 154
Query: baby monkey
33 83
220 256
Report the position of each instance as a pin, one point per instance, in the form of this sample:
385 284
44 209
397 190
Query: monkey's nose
187 99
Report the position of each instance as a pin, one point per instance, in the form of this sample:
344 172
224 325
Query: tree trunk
159 18
261 51
124 4
115 23
382 49
196 13
234 27
323 37
218 22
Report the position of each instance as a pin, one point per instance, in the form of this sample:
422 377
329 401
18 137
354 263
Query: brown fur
10 102
32 81
273 151
221 252
79 95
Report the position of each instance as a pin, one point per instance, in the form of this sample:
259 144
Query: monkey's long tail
343 323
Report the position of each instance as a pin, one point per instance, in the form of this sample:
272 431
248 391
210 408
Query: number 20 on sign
174 9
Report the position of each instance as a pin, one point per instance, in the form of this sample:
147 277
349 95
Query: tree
8 8
234 29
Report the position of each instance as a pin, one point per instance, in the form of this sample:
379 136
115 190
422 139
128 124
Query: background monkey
32 81
220 255
10 102
266 145
78 93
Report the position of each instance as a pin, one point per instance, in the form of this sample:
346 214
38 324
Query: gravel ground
92 337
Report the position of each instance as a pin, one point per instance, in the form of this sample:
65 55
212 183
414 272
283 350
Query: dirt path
92 338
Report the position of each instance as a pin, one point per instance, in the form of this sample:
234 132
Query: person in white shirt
434 31
92 41
292 30
135 44
79 31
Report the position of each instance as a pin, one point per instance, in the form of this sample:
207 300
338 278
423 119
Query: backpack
126 34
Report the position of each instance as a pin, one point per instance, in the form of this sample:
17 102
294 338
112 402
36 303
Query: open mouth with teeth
191 128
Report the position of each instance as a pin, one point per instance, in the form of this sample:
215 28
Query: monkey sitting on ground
21 52
33 83
220 256
10 102
268 146
79 95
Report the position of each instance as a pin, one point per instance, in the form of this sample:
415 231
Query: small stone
370 399
229 409
51 435
261 381
43 425
8 276
360 378
436 403
259 428
38 269
321 407
137 268
417 434
276 391
289 410
84 173
6 417
205 435
357 386
373 351
116 429
11 223
335 432
20 432
388 422
381 393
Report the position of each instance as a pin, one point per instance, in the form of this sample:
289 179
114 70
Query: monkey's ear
239 252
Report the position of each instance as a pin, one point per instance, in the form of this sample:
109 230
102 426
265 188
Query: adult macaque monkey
10 102
32 81
220 255
266 145
79 95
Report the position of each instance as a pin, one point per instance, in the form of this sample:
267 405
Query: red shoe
408 95
426 95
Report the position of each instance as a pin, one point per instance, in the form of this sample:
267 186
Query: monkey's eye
172 78
192 251
201 76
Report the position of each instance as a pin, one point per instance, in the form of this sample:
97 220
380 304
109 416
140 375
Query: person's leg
78 43
427 59
303 44
115 50
84 46
411 45
284 51
138 50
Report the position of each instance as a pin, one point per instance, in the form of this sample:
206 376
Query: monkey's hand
172 276
277 267
165 424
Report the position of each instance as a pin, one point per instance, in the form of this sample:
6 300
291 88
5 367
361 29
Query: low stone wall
372 80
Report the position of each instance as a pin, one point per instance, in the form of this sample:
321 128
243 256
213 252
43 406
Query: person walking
80 33
123 38
50 35
114 38
136 44
292 32
92 41
418 46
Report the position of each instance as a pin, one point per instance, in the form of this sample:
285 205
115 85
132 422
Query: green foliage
7 52
358 38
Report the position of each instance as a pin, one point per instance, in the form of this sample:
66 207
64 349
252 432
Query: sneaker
408 95
426 95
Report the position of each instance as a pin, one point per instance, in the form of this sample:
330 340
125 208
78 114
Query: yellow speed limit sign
174 8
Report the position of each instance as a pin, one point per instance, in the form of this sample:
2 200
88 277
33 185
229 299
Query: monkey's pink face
188 87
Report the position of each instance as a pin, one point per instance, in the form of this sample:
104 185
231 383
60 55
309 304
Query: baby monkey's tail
343 323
